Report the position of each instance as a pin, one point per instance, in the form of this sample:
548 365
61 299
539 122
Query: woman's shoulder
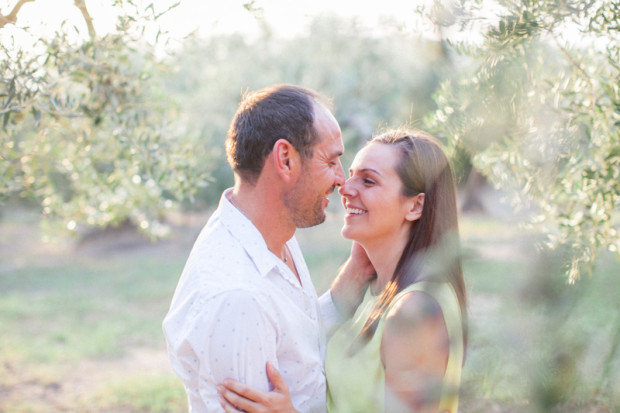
424 297
414 305
425 304
416 329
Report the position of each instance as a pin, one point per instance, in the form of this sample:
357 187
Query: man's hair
264 116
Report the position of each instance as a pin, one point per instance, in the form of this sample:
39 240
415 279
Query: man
245 297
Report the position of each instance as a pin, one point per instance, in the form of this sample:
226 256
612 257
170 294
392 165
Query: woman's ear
416 206
285 158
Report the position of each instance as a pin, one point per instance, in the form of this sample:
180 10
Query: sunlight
44 17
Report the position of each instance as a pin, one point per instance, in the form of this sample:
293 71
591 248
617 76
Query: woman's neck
384 256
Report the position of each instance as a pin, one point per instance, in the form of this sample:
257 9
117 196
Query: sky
286 17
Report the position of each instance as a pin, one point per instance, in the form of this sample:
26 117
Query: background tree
373 81
103 130
535 106
87 131
98 130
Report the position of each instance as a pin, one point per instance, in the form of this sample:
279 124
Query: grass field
80 323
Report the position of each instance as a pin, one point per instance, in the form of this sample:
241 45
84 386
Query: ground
512 322
22 245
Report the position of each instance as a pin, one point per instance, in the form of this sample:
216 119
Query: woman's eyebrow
370 170
365 170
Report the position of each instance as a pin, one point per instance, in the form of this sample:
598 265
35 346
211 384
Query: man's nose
340 178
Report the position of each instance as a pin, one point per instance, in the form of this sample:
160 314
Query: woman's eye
368 181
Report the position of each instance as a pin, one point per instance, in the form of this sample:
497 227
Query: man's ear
416 206
285 158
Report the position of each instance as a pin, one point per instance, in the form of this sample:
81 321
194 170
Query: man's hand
236 396
353 278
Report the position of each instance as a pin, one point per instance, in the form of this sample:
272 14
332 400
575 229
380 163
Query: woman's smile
355 211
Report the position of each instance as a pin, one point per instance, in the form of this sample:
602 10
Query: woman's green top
356 384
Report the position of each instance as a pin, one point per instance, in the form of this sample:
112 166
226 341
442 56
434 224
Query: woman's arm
414 351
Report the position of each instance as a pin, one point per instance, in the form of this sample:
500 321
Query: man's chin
312 222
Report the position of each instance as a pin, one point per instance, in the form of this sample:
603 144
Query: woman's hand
236 396
353 278
363 265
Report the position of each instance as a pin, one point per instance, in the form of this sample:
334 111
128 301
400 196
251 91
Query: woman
404 348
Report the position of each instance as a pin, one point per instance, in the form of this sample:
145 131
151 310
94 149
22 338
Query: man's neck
263 206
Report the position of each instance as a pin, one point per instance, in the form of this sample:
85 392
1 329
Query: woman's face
375 208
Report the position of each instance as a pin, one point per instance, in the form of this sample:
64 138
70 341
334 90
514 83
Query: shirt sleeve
234 338
331 317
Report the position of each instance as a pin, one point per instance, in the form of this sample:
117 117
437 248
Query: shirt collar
247 234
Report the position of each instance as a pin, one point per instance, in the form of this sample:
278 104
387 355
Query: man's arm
337 304
242 340
230 335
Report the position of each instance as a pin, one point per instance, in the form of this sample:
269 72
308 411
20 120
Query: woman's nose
346 188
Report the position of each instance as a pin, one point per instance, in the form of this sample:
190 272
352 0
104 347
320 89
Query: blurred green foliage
90 135
536 105
107 130
372 81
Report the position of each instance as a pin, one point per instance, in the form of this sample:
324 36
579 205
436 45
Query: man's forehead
323 116
331 144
